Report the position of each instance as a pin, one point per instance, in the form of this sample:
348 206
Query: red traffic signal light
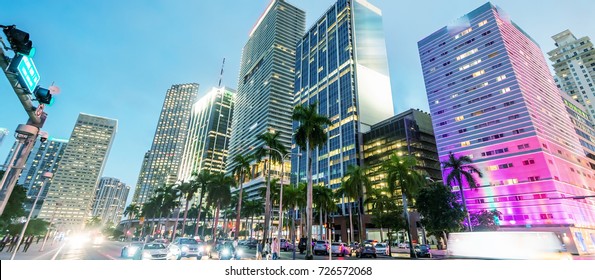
18 39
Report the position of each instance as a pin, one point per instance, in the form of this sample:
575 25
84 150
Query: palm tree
309 135
132 210
272 140
253 208
354 184
219 194
169 201
324 201
402 177
187 190
294 197
461 168
151 209
202 181
242 168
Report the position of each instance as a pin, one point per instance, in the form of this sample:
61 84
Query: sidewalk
33 253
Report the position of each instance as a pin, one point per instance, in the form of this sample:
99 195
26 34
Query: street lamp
281 190
46 176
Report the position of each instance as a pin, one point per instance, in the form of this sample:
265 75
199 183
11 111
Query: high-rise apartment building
493 98
208 133
574 65
264 101
69 200
341 64
162 163
110 200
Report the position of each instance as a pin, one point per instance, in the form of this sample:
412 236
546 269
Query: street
110 250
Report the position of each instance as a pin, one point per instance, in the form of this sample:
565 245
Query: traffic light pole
22 94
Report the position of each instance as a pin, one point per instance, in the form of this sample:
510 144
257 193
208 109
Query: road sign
28 75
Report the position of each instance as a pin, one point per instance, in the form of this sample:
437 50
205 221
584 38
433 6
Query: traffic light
44 96
19 40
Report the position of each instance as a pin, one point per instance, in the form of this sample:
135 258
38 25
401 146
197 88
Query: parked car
286 245
340 249
321 247
252 244
184 247
382 249
131 250
302 244
366 249
423 251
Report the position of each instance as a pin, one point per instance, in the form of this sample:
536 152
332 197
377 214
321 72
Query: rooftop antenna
221 74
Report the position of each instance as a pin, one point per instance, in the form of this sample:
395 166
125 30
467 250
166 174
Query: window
492 55
508 103
467 54
475 62
482 23
459 118
518 131
533 178
528 162
505 90
465 144
478 73
464 33
500 78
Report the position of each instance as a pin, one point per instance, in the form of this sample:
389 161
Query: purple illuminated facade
493 98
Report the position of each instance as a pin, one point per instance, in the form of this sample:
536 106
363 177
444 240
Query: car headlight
225 252
200 248
132 251
239 252
146 255
185 249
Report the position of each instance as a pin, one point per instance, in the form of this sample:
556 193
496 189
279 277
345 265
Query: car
286 245
321 247
152 251
382 249
252 244
366 249
340 249
302 244
162 241
131 250
227 251
184 247
423 251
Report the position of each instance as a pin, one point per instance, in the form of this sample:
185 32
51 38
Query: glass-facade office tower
493 98
574 64
162 163
341 64
69 200
45 157
264 101
110 200
208 133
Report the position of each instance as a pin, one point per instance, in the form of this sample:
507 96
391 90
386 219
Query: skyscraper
110 200
264 101
341 65
162 163
574 64
3 133
208 133
493 98
69 200
44 157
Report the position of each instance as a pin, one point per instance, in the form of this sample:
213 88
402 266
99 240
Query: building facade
3 133
162 162
264 101
493 98
573 61
208 133
44 157
110 200
69 201
341 65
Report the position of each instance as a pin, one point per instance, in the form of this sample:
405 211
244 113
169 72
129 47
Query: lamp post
281 189
46 176
47 234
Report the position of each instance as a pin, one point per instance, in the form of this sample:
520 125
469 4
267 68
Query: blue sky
117 58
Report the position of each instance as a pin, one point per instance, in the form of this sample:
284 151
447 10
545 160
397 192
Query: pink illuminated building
493 98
